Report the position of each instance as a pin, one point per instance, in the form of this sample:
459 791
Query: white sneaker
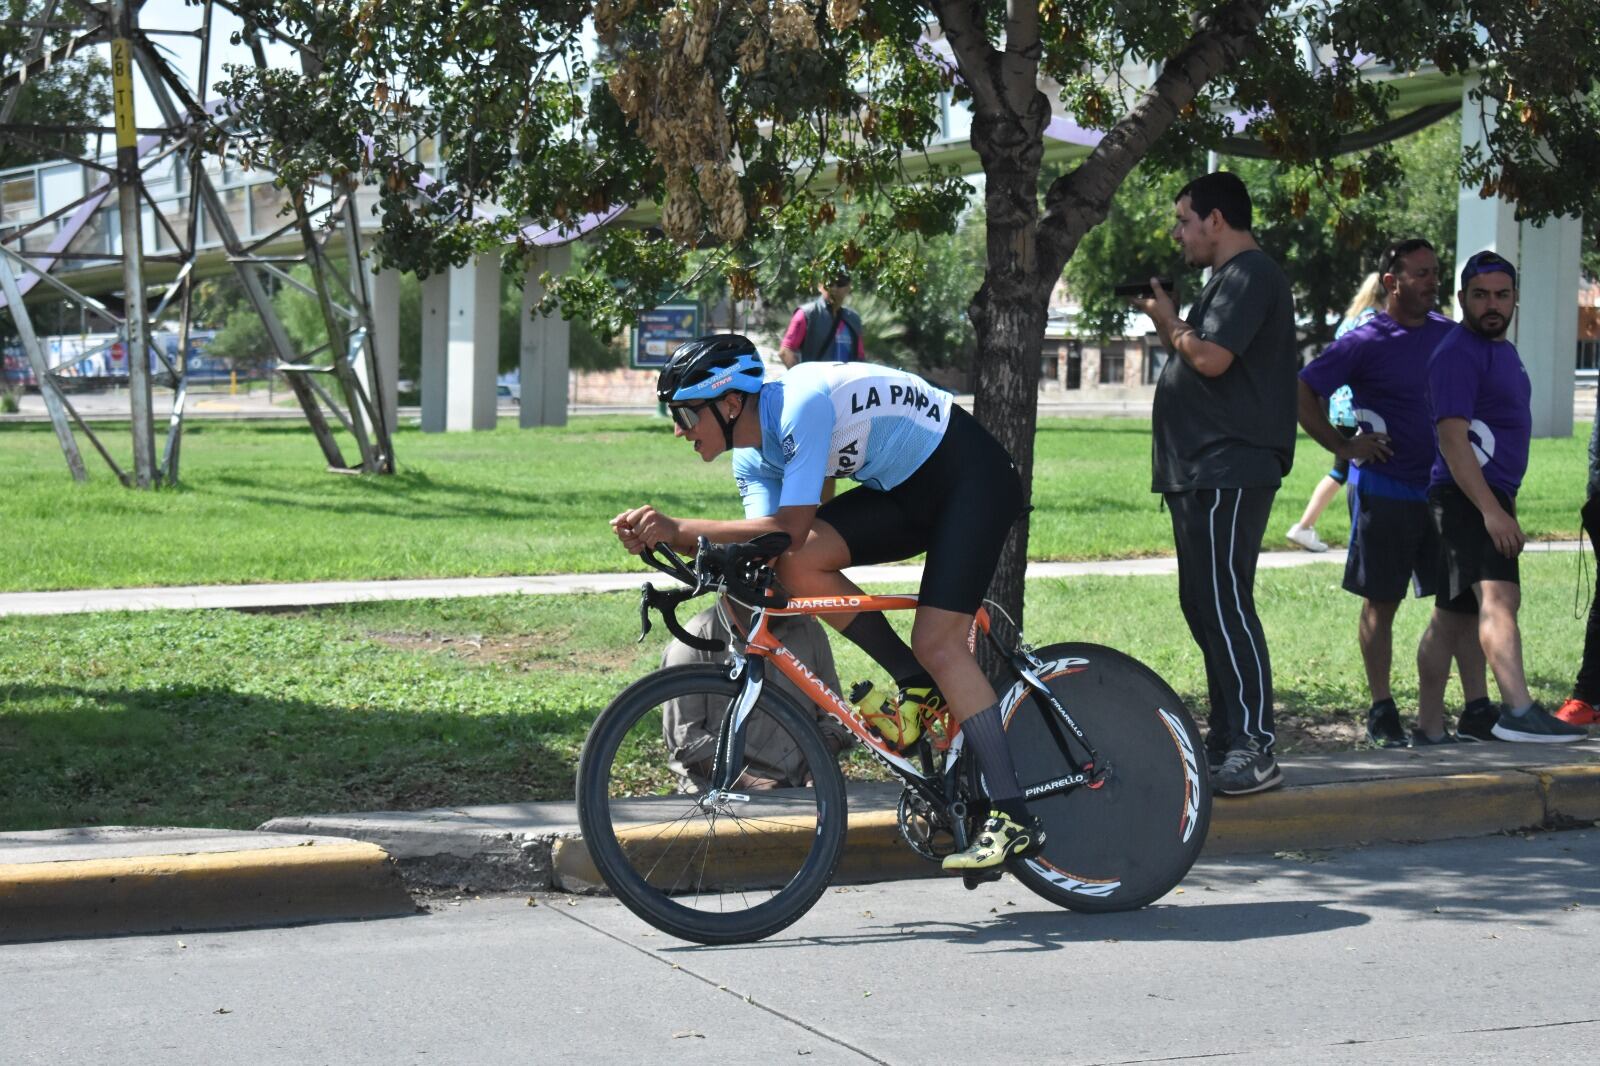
1306 538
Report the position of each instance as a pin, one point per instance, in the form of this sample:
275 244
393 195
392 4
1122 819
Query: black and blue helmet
706 368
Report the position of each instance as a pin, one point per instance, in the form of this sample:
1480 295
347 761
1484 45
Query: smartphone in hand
1142 289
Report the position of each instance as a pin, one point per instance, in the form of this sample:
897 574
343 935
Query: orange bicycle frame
761 643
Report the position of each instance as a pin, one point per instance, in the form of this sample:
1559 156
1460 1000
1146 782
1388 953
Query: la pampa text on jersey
871 423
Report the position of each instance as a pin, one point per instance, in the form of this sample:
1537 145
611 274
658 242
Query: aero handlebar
740 570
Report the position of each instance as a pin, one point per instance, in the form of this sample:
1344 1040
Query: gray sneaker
1247 769
1537 726
1419 739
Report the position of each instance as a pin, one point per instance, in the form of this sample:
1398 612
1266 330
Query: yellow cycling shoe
1000 839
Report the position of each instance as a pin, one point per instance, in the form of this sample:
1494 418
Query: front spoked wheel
712 869
1131 835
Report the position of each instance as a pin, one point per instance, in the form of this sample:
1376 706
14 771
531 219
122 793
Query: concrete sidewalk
98 882
289 596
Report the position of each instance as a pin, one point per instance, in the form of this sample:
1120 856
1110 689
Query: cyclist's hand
644 527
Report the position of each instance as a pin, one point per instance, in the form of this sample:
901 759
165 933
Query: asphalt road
1466 951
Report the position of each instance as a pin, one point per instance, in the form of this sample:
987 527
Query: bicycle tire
1130 840
691 871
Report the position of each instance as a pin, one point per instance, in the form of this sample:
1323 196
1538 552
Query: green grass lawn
226 719
255 504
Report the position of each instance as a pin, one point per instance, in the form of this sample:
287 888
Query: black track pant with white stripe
1218 536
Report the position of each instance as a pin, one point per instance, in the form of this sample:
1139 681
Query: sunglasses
687 416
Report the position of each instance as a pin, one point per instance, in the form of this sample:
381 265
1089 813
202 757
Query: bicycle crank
923 828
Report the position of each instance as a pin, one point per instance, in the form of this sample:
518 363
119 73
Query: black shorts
1392 544
1467 555
958 507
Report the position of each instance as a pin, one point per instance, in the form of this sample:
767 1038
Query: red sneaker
1576 712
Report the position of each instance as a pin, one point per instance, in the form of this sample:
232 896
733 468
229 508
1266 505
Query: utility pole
130 214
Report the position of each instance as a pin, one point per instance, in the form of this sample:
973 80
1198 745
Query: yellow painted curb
1572 792
1396 809
208 890
873 851
1309 816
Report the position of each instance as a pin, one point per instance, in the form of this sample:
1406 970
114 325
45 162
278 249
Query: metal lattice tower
333 382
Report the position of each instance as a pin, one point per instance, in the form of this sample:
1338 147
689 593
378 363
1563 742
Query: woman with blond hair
1368 301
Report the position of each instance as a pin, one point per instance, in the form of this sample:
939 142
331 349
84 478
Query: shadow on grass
213 757
387 497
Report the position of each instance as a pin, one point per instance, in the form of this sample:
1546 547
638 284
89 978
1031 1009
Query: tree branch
963 28
1079 200
1020 66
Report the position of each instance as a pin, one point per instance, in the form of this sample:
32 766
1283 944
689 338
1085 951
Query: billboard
658 333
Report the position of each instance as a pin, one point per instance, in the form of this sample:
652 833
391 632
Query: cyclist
931 480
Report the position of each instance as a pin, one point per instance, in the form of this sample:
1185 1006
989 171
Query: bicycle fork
729 759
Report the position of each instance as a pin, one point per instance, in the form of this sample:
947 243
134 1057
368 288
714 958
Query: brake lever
667 604
645 596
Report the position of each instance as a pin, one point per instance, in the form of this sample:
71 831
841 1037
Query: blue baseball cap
1487 262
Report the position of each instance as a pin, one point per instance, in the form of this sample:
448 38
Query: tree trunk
1026 253
1008 315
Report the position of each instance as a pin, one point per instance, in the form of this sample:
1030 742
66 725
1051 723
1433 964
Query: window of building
19 199
1155 357
1112 366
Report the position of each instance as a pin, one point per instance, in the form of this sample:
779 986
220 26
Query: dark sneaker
999 839
1214 761
1477 721
1537 726
1383 725
1419 739
1247 769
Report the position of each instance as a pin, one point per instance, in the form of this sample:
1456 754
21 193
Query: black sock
986 736
1482 703
871 632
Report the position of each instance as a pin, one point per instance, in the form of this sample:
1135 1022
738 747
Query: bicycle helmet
707 369
704 369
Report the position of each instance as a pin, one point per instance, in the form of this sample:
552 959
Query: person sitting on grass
689 725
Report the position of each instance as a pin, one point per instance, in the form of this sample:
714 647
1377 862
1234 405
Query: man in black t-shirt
1223 433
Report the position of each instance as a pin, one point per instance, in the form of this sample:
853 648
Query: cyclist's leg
971 496
859 526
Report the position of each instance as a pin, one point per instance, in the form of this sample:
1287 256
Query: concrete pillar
1545 329
473 351
1480 223
435 383
1089 368
1546 326
384 289
546 349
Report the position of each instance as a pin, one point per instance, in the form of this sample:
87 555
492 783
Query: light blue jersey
872 423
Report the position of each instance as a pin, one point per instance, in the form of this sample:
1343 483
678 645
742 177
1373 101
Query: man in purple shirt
1392 540
1483 423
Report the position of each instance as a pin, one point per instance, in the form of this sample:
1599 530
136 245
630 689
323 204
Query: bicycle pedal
973 878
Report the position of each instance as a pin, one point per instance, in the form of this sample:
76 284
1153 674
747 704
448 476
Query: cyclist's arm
645 527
